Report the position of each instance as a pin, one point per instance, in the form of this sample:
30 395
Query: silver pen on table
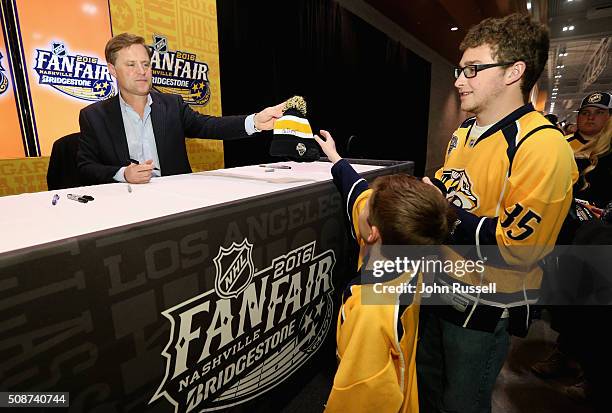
275 166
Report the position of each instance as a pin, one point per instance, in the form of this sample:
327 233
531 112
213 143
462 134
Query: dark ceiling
577 62
430 21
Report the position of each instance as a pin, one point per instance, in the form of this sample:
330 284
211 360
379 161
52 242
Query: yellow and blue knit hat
293 137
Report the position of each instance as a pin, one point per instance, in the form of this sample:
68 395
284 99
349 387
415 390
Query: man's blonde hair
121 41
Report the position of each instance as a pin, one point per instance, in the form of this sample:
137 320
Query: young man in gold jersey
508 174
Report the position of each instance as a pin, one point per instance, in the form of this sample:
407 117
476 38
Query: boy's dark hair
408 211
513 38
121 41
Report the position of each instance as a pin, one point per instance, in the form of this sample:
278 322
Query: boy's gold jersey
512 187
376 343
376 348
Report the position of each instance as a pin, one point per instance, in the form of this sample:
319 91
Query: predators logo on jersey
459 188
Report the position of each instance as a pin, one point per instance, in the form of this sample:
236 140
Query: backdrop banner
18 176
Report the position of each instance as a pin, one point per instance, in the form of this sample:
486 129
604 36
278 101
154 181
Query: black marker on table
77 198
138 163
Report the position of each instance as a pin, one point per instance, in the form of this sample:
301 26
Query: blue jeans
457 367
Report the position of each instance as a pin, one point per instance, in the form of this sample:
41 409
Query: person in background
140 133
592 116
570 356
591 146
508 174
376 343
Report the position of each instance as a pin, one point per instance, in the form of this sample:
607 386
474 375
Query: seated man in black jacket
140 133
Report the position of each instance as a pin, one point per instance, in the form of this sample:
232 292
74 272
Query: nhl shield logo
160 43
301 148
58 49
235 269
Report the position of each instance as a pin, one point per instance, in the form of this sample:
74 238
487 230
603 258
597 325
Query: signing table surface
31 219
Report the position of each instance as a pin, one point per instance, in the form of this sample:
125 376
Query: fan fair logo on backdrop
251 331
179 73
4 83
77 75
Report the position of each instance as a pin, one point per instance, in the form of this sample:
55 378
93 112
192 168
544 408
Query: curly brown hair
121 41
513 38
408 211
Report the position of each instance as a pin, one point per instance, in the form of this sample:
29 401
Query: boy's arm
352 188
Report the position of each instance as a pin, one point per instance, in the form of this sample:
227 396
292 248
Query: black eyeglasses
472 70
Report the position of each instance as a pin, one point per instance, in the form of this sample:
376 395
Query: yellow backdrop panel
189 26
18 176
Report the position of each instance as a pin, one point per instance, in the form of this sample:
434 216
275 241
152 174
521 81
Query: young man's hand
328 146
428 182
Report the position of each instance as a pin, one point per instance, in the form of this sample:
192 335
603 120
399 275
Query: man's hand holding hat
265 119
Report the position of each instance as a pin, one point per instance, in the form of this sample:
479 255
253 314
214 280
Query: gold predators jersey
512 187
